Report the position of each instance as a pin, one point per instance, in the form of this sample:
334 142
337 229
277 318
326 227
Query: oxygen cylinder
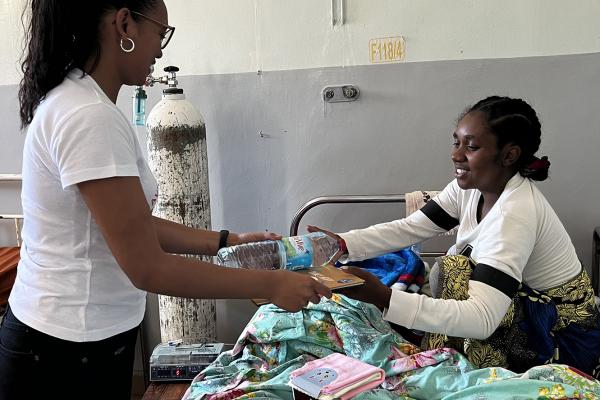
178 158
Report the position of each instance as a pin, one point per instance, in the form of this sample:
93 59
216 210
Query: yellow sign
390 49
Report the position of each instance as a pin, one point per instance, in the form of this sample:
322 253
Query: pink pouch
330 375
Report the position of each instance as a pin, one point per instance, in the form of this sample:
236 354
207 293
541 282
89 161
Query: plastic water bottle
292 253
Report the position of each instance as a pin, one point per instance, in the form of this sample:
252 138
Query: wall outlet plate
336 94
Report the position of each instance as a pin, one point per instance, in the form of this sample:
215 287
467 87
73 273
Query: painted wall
395 138
274 144
233 36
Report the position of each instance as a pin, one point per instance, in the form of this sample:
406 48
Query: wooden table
165 391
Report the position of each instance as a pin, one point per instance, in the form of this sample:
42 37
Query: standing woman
91 248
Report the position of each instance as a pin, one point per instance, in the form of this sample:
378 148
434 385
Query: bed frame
352 199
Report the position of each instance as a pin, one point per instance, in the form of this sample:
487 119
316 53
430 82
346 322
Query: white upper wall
232 36
11 40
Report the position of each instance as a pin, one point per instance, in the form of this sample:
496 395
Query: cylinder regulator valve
139 94
170 79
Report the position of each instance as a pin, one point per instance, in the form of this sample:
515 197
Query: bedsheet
275 342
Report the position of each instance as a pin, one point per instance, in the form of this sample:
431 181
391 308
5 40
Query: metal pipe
17 219
337 12
11 177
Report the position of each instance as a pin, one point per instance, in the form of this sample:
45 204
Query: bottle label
298 252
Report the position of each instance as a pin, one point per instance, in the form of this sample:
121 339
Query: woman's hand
340 252
249 237
372 291
293 291
312 228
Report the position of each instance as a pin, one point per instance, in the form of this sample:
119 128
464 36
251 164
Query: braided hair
514 121
61 35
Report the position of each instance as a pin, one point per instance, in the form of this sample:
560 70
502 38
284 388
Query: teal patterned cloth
275 342
449 381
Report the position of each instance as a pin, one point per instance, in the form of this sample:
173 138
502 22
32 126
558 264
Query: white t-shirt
68 283
521 239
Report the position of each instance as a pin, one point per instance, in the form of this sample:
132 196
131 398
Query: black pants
36 365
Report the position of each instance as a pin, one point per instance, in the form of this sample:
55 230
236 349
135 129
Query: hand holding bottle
293 291
342 249
291 253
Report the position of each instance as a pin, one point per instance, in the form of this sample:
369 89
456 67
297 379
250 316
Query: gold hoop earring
132 45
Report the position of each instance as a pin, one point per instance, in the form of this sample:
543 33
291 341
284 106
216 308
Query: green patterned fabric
276 342
450 381
564 318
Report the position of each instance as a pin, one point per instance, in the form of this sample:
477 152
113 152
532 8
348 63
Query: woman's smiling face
476 157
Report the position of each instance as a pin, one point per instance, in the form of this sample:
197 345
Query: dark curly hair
61 35
514 121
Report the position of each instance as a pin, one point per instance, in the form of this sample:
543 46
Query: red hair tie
538 163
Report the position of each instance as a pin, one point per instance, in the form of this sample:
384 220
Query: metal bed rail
18 218
350 199
10 177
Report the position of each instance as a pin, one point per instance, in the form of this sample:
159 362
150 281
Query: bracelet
223 235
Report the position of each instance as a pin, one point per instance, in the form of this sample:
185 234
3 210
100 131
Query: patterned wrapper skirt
558 325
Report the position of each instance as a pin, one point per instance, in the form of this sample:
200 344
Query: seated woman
512 285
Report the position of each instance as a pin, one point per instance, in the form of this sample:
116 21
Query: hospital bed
255 366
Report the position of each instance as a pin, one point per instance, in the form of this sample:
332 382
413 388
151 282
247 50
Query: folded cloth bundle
336 376
403 270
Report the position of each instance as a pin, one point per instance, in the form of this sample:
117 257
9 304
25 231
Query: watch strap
223 235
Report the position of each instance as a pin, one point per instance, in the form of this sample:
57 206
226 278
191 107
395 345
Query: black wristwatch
223 235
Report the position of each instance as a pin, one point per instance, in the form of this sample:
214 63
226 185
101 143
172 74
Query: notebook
336 376
332 277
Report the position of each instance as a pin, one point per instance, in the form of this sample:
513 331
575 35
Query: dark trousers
36 365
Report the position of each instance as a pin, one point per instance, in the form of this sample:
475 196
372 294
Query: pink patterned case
333 373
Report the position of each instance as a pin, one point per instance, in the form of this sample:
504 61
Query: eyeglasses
166 35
